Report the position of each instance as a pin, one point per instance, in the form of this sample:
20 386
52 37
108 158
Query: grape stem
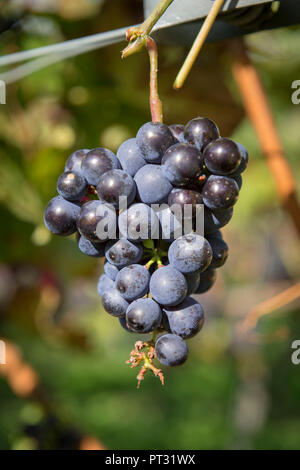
136 35
198 43
155 103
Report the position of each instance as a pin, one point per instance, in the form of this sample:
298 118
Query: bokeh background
66 384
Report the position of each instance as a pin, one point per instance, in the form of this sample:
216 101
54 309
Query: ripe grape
123 324
130 157
60 216
91 249
91 213
214 220
71 186
200 132
182 197
152 186
75 159
244 159
114 303
192 280
182 163
143 316
220 192
190 253
104 284
153 139
168 286
139 222
186 319
97 162
122 252
219 250
110 270
177 131
171 350
133 282
115 184
170 227
238 179
207 280
222 156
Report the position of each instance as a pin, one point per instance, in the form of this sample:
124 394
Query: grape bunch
150 272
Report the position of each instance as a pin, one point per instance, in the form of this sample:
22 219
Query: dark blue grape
200 132
177 131
124 325
168 286
60 216
115 184
122 252
71 186
139 222
186 319
130 157
244 160
171 350
182 163
186 197
238 179
133 282
143 316
219 249
91 249
114 303
220 192
153 139
207 280
91 213
192 280
190 253
170 226
222 156
214 220
104 284
75 159
97 162
152 186
110 270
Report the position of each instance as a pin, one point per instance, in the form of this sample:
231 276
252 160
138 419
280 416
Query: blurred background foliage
233 392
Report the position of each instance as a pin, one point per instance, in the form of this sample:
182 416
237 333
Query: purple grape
182 163
115 184
152 186
71 186
207 280
139 222
192 280
171 350
130 157
190 253
104 284
182 197
214 220
222 156
219 250
91 213
110 270
220 192
143 316
153 139
122 252
177 131
186 319
200 132
114 303
97 162
132 282
75 159
60 216
91 249
168 286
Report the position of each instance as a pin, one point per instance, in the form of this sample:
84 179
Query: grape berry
150 271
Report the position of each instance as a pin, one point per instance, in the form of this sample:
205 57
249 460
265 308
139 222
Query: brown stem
155 103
